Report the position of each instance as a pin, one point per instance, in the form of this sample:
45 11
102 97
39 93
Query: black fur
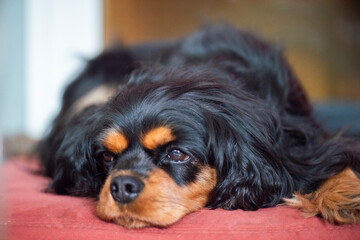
233 103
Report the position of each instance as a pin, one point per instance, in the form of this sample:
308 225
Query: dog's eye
177 156
108 157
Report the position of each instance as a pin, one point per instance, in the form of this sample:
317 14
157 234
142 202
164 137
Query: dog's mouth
160 202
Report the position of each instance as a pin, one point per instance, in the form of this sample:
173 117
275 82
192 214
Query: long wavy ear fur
68 156
66 151
250 173
261 160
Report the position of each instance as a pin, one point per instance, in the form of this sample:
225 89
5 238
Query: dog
215 119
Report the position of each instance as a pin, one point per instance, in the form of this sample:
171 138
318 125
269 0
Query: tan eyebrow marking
115 141
157 137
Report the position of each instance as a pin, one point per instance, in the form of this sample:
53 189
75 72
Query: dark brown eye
177 156
108 157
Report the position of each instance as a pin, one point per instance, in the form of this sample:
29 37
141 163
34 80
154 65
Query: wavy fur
232 101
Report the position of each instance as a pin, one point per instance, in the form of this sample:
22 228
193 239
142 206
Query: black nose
125 189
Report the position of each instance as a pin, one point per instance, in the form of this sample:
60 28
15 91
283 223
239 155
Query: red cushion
32 214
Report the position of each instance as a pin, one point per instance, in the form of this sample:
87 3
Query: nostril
114 187
129 188
125 189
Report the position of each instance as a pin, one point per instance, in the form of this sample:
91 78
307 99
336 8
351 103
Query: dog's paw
337 200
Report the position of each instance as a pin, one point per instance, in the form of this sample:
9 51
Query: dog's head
173 147
181 140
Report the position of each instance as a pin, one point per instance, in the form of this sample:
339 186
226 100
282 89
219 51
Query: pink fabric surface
29 213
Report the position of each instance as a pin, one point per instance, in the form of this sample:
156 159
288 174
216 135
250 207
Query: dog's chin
128 220
161 203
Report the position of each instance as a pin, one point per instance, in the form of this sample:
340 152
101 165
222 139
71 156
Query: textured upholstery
29 213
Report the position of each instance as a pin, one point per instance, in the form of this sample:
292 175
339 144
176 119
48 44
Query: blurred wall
43 44
12 67
321 38
60 36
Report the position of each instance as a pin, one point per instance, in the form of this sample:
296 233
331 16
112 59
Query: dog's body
216 119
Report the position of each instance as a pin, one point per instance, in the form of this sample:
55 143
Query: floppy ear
69 156
242 146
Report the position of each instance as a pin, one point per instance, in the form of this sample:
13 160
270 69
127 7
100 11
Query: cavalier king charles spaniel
216 119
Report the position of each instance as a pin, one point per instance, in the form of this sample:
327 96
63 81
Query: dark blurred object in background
18 145
339 116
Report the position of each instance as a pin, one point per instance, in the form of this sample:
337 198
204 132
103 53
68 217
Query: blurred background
45 43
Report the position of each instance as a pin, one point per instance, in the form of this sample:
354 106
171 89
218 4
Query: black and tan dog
216 119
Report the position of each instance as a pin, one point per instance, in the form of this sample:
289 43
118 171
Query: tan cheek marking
337 200
107 209
161 203
157 137
115 142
